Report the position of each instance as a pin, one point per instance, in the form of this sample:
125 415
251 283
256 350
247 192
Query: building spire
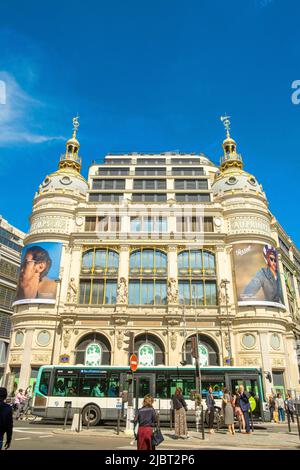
70 158
230 158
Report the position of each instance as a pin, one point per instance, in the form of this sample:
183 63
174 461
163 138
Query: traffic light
195 350
129 342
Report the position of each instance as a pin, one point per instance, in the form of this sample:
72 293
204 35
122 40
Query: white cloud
18 121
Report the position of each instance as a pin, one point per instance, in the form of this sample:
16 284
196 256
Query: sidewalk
265 436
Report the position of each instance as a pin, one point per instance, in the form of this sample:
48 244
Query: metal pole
202 422
288 420
88 420
118 422
251 417
66 415
224 283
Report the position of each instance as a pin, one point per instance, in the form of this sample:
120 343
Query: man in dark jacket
6 419
244 404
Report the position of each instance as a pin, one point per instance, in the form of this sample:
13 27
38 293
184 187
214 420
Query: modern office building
11 243
166 246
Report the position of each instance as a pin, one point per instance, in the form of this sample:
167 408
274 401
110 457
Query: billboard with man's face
40 264
257 275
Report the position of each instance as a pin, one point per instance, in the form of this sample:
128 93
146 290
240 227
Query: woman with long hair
228 411
180 408
146 419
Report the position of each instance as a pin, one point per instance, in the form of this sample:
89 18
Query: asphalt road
43 435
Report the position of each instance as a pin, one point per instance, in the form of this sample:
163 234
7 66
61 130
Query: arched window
208 351
149 349
99 277
197 278
93 350
148 277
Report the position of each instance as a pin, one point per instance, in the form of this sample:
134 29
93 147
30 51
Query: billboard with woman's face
39 271
257 275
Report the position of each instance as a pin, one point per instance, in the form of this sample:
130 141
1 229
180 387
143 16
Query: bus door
144 384
251 386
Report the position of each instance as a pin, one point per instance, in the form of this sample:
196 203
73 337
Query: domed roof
65 178
233 180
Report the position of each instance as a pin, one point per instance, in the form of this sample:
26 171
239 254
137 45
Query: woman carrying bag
146 419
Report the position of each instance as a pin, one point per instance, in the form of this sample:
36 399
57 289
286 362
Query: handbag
157 437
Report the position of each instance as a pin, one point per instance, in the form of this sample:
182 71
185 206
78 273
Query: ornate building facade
11 243
153 244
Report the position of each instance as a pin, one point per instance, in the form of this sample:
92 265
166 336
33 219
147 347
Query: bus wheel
91 413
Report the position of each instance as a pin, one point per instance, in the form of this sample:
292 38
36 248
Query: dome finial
230 158
71 159
226 121
75 125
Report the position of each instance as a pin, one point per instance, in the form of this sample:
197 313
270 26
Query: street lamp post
58 281
224 284
197 359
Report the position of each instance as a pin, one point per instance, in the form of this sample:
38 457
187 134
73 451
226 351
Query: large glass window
148 224
197 278
149 197
99 275
192 197
149 184
147 277
191 184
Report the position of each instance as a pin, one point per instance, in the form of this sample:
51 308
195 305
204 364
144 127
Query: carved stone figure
120 338
222 296
72 291
67 338
122 292
173 340
172 292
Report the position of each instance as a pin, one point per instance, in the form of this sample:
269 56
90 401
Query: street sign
133 362
119 405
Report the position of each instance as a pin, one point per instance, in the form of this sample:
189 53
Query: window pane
160 292
148 259
135 260
147 292
111 292
134 292
87 260
100 259
97 292
113 260
160 260
211 293
184 292
85 288
197 293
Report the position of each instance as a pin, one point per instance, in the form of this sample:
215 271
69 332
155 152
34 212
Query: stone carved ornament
172 292
120 338
122 291
173 340
72 291
67 338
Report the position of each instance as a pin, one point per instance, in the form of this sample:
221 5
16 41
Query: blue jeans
247 420
281 414
1 440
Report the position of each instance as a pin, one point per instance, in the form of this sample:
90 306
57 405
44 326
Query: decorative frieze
248 224
49 223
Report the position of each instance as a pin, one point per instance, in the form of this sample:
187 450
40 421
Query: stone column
265 359
26 359
124 262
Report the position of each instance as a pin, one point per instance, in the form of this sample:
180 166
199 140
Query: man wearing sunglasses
267 279
33 280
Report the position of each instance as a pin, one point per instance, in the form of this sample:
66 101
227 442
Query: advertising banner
40 264
257 275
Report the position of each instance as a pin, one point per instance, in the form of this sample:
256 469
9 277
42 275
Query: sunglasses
273 259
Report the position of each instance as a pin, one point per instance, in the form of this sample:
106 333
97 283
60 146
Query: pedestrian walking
245 406
228 411
238 412
146 419
290 406
28 399
280 403
6 420
180 408
210 403
271 407
19 402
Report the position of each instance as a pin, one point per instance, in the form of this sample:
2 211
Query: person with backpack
6 420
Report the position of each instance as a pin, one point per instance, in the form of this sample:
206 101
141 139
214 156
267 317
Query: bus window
187 384
217 388
93 386
65 386
161 386
114 385
44 382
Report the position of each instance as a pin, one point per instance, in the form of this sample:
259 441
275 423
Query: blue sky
149 76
